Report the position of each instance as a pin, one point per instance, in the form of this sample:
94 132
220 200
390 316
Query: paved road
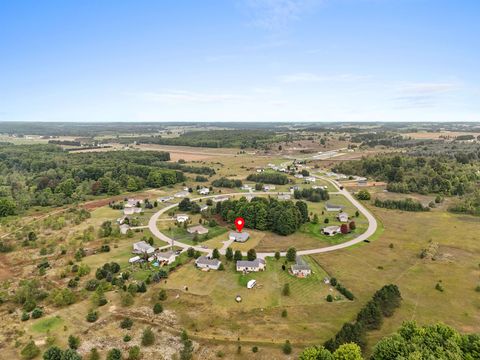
372 225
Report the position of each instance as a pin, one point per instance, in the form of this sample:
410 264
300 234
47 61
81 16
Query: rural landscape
125 246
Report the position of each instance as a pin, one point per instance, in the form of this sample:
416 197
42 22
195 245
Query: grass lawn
47 324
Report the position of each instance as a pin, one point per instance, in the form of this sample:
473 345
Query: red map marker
239 223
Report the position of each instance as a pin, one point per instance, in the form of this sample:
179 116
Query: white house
134 260
238 236
197 229
143 248
182 218
247 266
268 187
333 207
342 217
301 268
284 197
247 187
166 258
249 197
132 210
181 194
203 262
299 176
203 207
221 198
323 187
331 230
133 202
310 179
124 228
165 199
204 191
122 220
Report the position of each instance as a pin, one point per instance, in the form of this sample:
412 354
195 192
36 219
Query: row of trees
281 217
383 304
405 205
313 195
269 178
228 183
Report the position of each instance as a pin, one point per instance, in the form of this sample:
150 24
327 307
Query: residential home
301 268
204 191
124 228
221 198
331 230
134 260
181 218
165 199
247 187
204 262
203 207
310 179
249 197
128 211
142 248
238 236
251 266
133 202
343 217
284 197
323 187
299 176
166 258
333 207
122 220
268 187
197 229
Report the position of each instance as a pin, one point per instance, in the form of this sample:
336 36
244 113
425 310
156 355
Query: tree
134 353
94 355
71 354
277 255
157 308
287 348
329 298
73 342
187 350
238 255
286 290
315 219
148 337
37 313
162 295
215 254
349 351
92 316
191 252
370 316
363 195
229 254
291 254
316 353
114 354
344 229
352 225
326 221
126 323
53 353
251 254
30 351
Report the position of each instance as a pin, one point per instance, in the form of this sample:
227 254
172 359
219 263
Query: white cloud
310 78
423 95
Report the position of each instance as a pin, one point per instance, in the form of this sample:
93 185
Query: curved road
372 225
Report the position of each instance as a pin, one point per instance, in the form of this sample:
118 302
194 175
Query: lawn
47 324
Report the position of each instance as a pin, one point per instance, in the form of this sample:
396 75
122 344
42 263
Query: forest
269 178
44 175
280 217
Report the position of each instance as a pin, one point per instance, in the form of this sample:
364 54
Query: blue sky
240 60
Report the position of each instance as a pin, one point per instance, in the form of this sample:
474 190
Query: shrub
148 337
286 290
134 353
157 308
30 351
127 338
25 316
333 281
92 316
287 348
255 349
126 323
284 313
73 342
37 313
162 295
114 354
329 298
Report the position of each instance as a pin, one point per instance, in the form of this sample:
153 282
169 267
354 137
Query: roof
206 261
343 214
333 206
165 255
197 228
300 267
248 263
241 236
142 245
181 216
331 228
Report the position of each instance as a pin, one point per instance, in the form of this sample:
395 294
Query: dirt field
438 135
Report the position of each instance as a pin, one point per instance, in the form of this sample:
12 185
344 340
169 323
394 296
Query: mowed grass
47 324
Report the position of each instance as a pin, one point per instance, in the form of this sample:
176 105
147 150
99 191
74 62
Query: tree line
280 217
313 195
228 183
269 178
404 205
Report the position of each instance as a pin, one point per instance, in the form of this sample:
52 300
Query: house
362 182
204 191
181 218
134 260
247 187
203 207
301 268
268 187
166 258
255 265
221 198
133 202
259 170
331 230
310 179
143 248
299 176
342 217
238 236
181 194
122 220
249 197
323 187
197 229
282 169
284 197
124 228
128 211
333 207
165 199
203 262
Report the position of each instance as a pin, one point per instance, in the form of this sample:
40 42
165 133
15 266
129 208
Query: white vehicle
251 284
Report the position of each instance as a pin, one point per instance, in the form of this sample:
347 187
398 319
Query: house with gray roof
301 268
142 248
204 262
166 258
251 266
238 236
333 207
197 229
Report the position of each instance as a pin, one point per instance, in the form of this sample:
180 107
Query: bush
157 308
148 337
286 290
114 354
284 313
37 313
73 342
162 295
255 349
134 353
333 281
364 195
287 348
30 351
126 323
329 298
127 338
92 316
25 316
